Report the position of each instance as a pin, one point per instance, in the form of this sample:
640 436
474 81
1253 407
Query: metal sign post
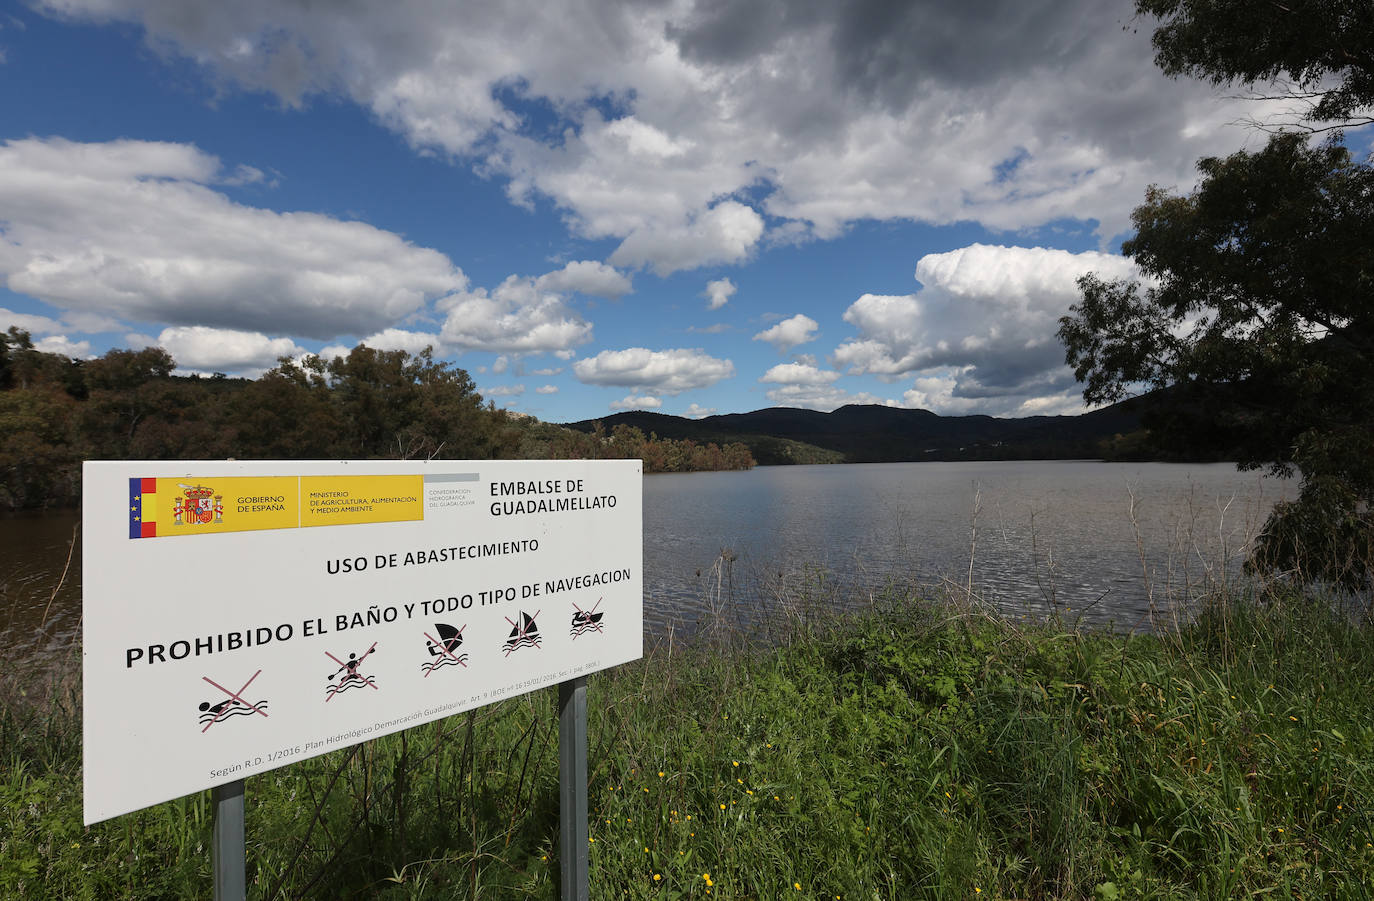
228 851
572 788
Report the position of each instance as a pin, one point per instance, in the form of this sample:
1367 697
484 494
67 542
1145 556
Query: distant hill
877 434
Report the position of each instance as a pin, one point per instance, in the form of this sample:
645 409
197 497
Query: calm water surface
1041 534
735 545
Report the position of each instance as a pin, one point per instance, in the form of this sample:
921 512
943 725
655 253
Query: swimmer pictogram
236 705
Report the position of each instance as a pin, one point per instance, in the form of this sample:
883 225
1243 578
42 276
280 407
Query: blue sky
688 206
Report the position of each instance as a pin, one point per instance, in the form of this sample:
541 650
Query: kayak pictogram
352 678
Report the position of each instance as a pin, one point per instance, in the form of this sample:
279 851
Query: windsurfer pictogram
351 677
523 633
444 649
586 620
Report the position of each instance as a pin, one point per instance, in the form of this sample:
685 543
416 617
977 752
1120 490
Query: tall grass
916 750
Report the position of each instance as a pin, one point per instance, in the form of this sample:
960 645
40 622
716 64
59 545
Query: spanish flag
143 508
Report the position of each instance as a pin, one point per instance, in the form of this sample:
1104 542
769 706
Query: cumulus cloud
985 317
34 325
546 389
517 317
225 350
331 351
402 339
790 332
660 371
61 344
135 229
587 277
944 393
799 374
822 397
719 292
631 402
697 411
1011 113
504 391
725 233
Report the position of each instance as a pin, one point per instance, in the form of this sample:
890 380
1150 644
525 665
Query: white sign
240 616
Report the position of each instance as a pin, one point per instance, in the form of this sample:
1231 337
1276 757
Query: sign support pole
572 788
227 843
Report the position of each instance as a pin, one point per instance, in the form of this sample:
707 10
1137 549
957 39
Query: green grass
915 751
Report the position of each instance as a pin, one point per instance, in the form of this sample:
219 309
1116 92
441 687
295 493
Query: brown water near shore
40 583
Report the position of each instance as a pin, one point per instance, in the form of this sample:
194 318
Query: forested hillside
56 411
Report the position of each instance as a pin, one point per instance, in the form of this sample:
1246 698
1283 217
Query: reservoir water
1107 542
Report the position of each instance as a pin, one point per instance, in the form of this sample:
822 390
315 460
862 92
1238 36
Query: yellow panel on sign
231 504
345 500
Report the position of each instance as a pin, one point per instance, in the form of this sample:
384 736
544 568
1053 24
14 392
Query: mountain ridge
872 433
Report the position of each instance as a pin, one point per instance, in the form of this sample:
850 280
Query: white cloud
517 317
696 411
719 328
60 344
822 397
500 365
587 277
34 325
552 370
401 339
660 371
725 233
799 374
994 309
631 402
980 334
134 229
790 332
1012 114
503 391
225 350
333 350
939 393
719 292
546 389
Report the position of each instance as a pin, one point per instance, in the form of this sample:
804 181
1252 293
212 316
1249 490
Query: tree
1258 314
122 389
1323 48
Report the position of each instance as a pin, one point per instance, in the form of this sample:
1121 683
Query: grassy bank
914 752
